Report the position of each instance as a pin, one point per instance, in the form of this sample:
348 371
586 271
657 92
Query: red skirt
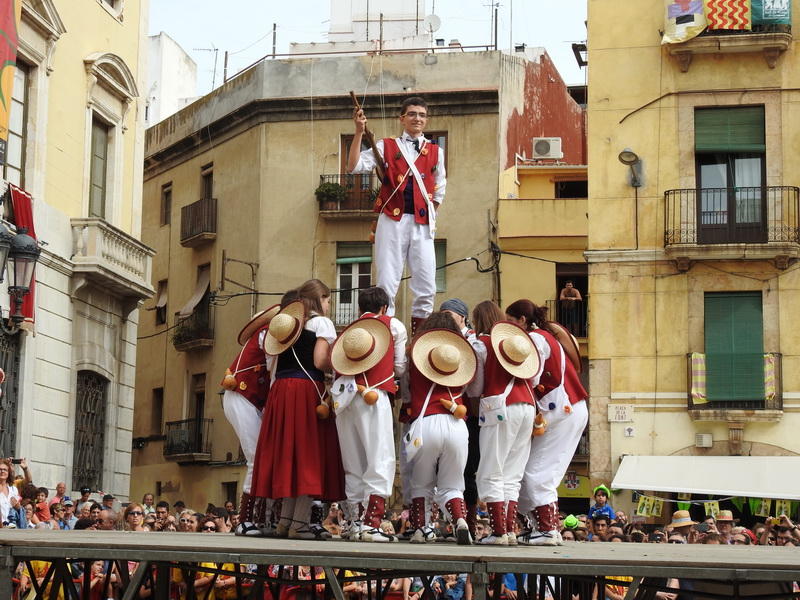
298 454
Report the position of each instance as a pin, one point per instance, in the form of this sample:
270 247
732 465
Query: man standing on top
410 194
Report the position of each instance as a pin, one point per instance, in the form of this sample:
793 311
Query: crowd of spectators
23 505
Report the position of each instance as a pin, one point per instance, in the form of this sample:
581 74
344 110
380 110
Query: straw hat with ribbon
285 328
681 518
570 344
257 322
360 346
724 516
515 350
444 357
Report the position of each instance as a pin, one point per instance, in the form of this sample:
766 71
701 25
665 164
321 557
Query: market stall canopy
745 476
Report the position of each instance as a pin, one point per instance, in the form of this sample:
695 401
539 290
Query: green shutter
734 347
738 129
440 248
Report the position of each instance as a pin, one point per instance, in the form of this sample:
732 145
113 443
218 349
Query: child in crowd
601 505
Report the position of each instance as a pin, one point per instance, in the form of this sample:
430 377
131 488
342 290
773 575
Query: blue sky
244 28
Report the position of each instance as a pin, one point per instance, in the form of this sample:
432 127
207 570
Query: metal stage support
565 572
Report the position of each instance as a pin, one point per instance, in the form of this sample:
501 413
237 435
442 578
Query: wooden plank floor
741 563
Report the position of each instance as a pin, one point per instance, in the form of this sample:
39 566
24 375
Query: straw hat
444 357
681 518
285 328
724 515
257 322
361 346
515 350
570 344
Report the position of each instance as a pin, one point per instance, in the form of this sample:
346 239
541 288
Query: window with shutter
734 349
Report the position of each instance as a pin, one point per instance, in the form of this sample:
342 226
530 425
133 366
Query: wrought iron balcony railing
355 197
199 222
572 314
188 440
195 331
756 383
740 215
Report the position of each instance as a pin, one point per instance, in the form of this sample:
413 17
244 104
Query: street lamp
24 252
6 237
629 158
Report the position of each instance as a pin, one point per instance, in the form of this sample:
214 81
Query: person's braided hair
535 316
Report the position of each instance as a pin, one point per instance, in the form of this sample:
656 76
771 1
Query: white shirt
322 327
366 162
5 502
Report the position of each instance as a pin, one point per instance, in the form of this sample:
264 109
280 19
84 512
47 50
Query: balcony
189 441
572 315
199 223
771 40
195 332
360 192
754 394
112 260
756 223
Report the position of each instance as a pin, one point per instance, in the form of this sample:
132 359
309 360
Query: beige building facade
230 204
77 149
692 250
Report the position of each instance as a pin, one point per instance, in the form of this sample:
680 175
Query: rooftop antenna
215 50
430 24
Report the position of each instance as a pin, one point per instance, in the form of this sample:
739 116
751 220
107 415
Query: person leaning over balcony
298 456
246 384
561 399
410 194
367 357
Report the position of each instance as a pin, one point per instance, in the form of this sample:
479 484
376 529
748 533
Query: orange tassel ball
323 411
539 424
370 396
460 410
229 381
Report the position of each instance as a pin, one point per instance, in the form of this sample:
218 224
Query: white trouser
402 242
246 422
551 454
505 449
367 444
440 461
405 467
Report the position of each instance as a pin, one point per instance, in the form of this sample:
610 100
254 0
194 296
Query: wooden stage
733 564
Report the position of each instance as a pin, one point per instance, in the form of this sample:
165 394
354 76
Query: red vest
396 168
253 375
551 376
419 386
385 368
496 378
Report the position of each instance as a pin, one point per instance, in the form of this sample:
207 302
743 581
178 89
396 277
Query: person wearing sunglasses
134 517
208 526
676 538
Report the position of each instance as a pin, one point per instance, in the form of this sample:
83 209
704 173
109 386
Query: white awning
203 279
161 301
748 476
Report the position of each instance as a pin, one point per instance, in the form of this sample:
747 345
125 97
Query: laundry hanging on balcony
772 12
685 19
732 15
203 279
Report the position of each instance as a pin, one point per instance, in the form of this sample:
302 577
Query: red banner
10 11
729 14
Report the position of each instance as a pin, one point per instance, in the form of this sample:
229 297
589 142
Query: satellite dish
431 23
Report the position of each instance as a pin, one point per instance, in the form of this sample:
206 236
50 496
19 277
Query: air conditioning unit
703 440
547 147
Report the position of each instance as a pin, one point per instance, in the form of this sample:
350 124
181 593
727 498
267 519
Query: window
353 272
157 411
161 303
9 362
229 491
207 181
90 429
440 248
731 171
734 349
572 189
440 139
166 203
14 167
98 170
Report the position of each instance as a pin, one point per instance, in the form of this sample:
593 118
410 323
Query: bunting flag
738 503
657 507
684 20
753 503
698 391
711 508
783 507
9 22
645 506
729 14
772 12
763 507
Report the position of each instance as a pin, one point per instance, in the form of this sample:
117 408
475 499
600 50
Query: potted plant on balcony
330 195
